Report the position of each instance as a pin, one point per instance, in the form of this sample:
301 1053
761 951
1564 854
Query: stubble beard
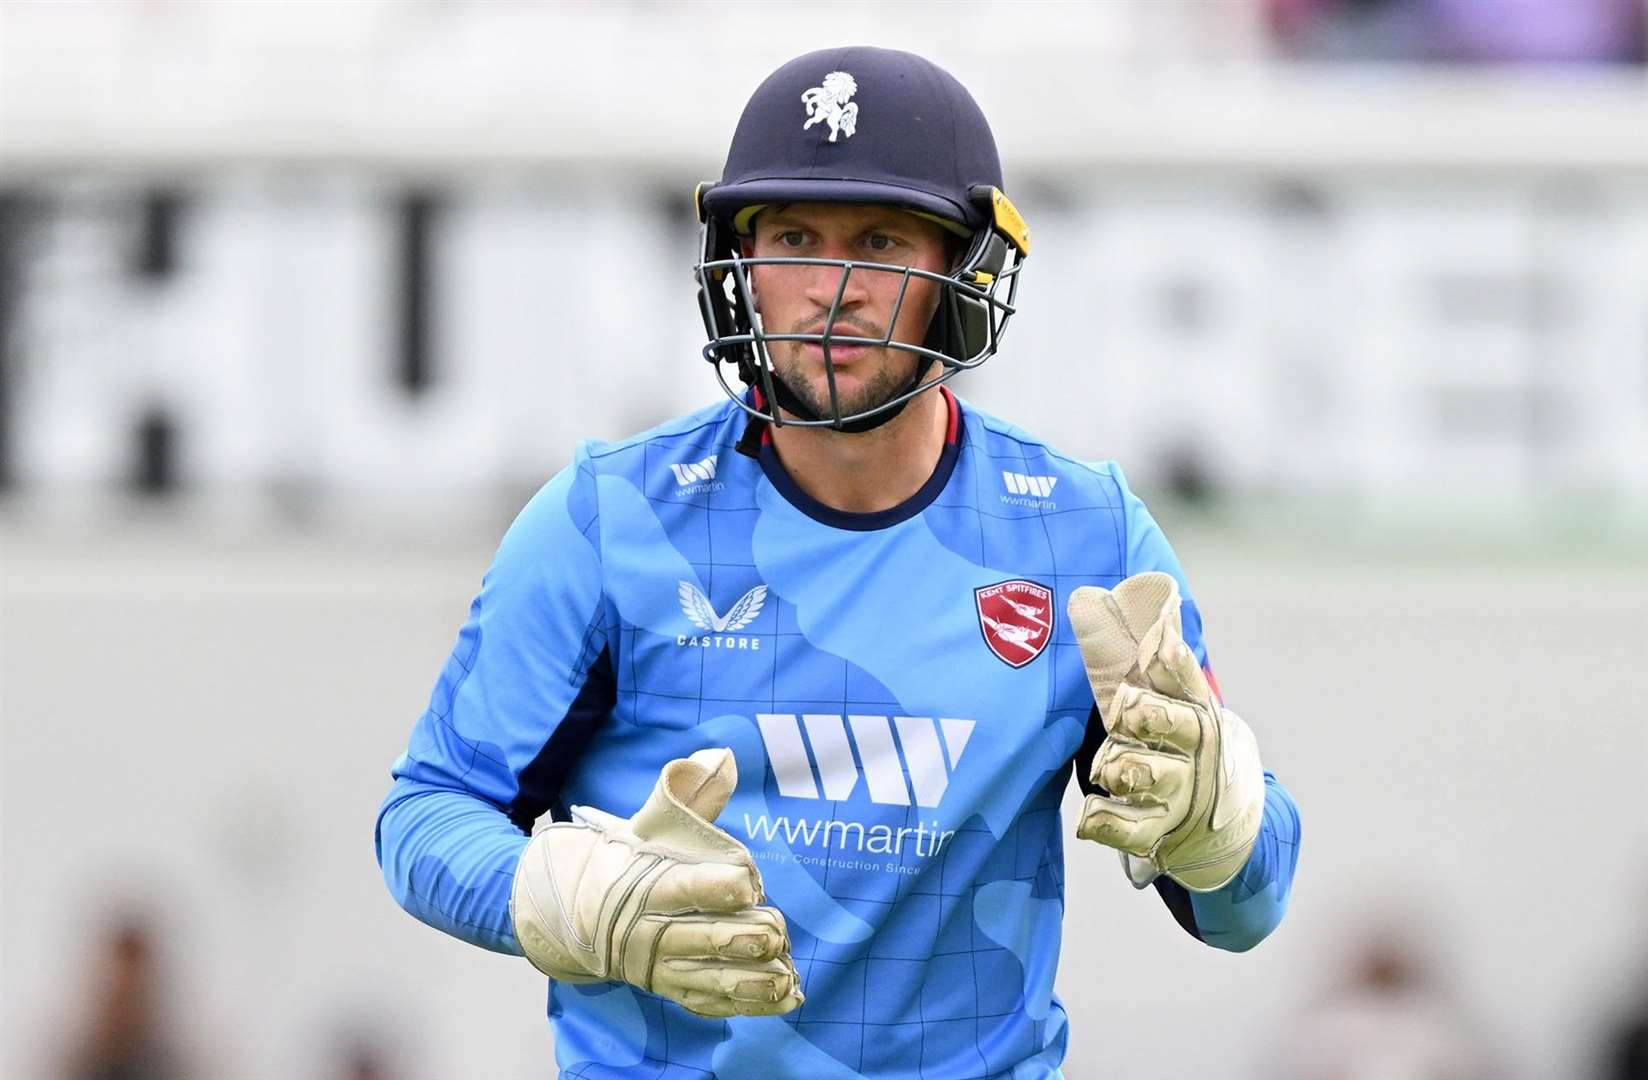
884 384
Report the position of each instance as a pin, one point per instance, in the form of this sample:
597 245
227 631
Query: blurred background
299 303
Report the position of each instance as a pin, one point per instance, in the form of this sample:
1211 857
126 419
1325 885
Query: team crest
1016 618
832 104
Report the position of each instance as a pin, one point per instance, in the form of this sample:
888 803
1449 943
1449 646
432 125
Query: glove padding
1187 791
664 900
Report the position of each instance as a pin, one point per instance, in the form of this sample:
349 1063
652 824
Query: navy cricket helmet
867 126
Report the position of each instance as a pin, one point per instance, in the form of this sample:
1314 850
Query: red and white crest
1017 619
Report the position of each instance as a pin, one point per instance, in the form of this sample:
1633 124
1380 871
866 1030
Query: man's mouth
837 351
840 350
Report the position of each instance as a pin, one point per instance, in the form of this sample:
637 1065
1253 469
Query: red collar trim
952 434
761 403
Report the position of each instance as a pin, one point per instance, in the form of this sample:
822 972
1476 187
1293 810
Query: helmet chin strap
750 443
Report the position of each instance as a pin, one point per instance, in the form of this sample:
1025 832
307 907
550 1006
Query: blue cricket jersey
904 699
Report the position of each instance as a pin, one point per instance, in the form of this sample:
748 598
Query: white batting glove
1187 791
663 900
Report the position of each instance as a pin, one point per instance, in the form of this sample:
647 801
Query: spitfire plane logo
1016 618
832 104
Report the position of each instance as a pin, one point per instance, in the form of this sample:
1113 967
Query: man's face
797 299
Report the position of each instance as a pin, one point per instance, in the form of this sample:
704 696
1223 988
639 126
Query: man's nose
825 282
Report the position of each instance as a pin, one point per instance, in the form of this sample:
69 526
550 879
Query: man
802 676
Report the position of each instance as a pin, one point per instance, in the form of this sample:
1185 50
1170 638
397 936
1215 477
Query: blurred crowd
1383 1012
1390 1015
129 1030
1462 31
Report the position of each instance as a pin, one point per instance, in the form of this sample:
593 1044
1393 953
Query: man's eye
792 238
881 242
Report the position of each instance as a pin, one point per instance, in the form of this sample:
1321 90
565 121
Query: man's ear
746 246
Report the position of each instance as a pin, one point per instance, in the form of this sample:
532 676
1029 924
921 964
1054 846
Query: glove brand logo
831 104
1023 490
721 628
1016 618
833 770
694 476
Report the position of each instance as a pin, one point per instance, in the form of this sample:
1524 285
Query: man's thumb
691 792
704 782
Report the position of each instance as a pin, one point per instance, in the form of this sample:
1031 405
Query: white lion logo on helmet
831 103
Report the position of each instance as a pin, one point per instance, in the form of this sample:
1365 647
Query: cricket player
801 677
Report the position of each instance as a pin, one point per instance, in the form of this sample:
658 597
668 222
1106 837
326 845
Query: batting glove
664 900
1186 789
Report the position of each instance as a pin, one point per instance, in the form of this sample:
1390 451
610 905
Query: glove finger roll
756 935
706 886
1146 778
719 1006
1118 825
1170 667
713 1006
1155 721
1114 743
765 983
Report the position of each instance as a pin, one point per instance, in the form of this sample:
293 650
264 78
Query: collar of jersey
879 519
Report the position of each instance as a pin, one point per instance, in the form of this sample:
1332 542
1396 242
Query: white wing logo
696 606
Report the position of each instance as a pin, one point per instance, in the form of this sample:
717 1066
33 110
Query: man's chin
855 391
853 400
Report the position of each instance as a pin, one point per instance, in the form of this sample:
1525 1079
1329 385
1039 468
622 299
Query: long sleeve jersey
905 702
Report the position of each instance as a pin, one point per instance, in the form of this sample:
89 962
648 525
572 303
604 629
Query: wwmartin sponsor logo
1026 490
719 631
696 477
833 771
899 761
924 838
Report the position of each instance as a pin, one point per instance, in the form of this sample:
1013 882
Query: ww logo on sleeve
696 477
692 472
